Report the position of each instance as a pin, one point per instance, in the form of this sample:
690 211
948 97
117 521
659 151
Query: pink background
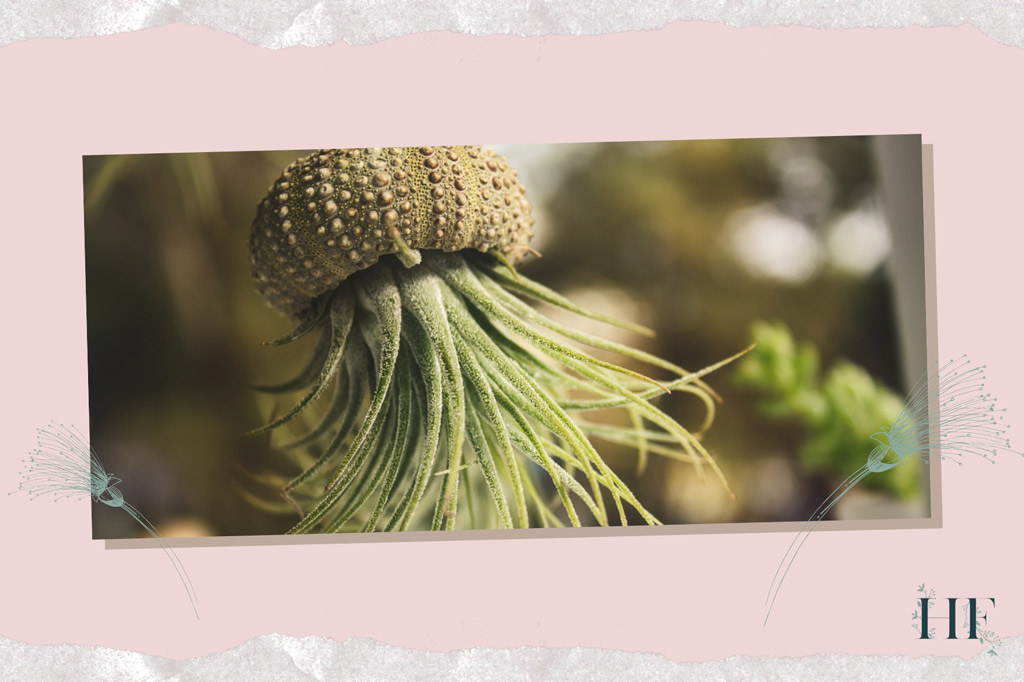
693 597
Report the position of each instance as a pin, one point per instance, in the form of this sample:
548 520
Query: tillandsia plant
446 383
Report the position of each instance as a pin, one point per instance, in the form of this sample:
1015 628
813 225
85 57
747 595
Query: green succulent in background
838 411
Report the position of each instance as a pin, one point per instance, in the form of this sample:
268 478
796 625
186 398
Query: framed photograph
698 258
660 354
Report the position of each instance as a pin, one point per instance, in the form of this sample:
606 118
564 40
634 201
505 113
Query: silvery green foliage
448 383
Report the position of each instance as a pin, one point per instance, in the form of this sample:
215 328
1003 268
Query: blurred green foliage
840 411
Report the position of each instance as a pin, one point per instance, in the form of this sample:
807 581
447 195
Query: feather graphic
947 414
65 466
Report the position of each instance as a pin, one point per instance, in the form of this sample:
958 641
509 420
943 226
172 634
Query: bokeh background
712 243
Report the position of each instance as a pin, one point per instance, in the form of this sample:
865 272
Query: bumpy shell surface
336 212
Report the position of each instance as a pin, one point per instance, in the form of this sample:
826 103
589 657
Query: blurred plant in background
169 298
839 412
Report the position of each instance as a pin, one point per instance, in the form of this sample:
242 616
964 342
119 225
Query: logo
972 622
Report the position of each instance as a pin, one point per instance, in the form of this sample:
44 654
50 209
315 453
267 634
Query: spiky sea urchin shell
336 211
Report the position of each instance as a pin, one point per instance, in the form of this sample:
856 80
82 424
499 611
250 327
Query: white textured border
282 659
311 23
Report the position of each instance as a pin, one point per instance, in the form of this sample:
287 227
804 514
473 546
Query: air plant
446 382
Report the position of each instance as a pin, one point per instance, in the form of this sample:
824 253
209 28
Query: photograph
503 337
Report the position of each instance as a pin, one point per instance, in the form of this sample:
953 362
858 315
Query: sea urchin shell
337 211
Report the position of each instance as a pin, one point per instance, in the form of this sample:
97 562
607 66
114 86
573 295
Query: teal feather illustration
947 415
66 466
